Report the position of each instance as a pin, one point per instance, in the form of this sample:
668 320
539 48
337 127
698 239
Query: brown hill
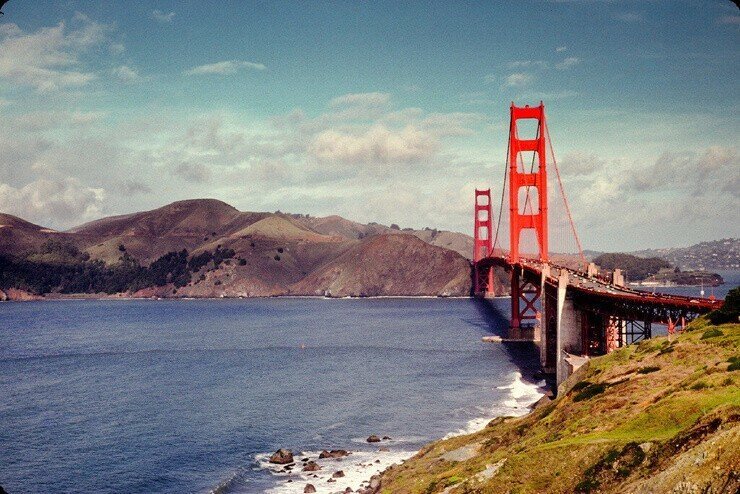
273 253
18 236
338 226
194 217
148 235
459 242
390 265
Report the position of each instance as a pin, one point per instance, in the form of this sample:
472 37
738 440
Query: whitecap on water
358 467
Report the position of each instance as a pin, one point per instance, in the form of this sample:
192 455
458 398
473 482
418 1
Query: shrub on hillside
730 311
590 391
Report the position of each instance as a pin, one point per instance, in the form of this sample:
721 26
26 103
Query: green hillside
660 416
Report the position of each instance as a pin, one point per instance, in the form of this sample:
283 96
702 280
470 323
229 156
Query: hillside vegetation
657 417
635 268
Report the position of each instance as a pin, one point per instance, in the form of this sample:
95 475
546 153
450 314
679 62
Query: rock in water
309 488
334 453
338 474
311 466
282 457
375 482
373 439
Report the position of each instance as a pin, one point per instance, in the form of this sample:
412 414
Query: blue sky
378 111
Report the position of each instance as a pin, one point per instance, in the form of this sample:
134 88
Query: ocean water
193 395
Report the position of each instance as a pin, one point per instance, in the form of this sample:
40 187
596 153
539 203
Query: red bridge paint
483 242
528 218
604 305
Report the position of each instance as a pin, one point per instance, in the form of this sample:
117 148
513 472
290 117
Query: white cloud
581 164
269 171
131 187
193 172
163 17
680 198
518 79
568 63
358 106
42 121
378 145
52 199
364 99
224 68
561 49
126 73
49 58
714 171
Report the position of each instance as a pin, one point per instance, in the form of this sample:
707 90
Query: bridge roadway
595 288
576 315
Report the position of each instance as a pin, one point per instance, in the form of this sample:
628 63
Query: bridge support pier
483 283
568 331
525 317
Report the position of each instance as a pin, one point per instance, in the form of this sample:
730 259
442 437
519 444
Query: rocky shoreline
323 472
17 295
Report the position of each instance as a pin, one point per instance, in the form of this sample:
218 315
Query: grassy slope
664 415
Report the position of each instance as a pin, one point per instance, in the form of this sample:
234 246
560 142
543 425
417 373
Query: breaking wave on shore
522 395
357 468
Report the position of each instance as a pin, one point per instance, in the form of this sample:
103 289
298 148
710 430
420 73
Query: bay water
171 396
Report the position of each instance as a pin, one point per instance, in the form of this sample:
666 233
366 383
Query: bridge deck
598 288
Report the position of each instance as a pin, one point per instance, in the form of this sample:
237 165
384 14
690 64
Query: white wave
521 396
358 467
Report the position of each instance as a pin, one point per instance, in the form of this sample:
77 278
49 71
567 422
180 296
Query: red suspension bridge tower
568 306
483 244
527 210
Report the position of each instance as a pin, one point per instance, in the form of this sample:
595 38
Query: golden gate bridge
561 301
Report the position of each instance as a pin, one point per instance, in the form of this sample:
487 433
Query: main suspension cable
562 193
503 190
